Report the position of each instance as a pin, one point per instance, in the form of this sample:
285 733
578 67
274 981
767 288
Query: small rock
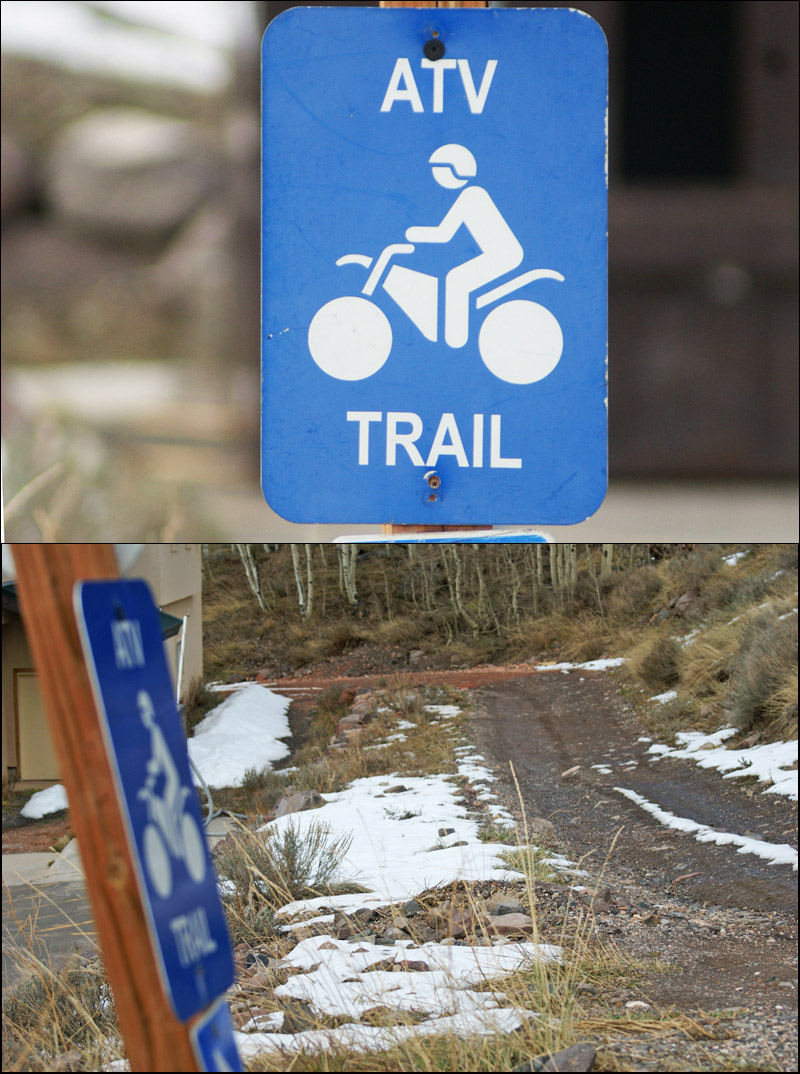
580 1057
510 924
445 831
541 830
400 788
571 771
365 915
297 802
392 935
361 937
415 656
499 905
637 1005
411 908
750 741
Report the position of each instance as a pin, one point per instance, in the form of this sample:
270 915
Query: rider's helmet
450 163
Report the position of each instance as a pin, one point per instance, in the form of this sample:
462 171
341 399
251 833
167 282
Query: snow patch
51 800
243 732
774 853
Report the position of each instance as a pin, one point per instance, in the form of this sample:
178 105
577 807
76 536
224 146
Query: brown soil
38 835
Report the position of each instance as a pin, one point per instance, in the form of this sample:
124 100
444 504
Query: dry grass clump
630 594
53 1012
705 663
197 702
763 675
655 662
691 572
534 636
780 710
590 638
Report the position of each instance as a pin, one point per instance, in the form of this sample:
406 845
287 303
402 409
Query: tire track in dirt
552 722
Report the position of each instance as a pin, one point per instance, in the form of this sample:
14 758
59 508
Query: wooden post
46 574
390 527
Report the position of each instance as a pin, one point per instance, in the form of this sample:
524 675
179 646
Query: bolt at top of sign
408 204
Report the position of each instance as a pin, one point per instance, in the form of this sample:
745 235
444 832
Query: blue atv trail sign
434 266
144 740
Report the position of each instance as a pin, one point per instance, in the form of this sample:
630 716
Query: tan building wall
174 573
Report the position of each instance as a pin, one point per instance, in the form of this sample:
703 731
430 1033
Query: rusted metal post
390 527
46 575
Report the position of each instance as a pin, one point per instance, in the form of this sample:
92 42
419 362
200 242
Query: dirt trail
727 919
549 724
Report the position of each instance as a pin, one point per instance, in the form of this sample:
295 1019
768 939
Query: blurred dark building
703 333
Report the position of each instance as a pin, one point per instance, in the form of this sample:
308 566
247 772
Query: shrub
269 868
761 672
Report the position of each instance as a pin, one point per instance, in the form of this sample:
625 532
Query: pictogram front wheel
350 338
194 851
520 341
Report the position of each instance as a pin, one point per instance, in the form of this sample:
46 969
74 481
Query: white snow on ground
51 800
670 695
339 984
769 761
396 851
366 1038
592 665
243 732
733 558
774 853
445 712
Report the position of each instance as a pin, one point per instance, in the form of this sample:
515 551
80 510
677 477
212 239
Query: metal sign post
434 273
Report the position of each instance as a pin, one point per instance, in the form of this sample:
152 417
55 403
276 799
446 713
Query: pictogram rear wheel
520 342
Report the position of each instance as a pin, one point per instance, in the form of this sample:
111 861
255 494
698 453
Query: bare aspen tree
554 578
606 560
251 572
454 580
571 564
309 582
516 583
301 596
348 554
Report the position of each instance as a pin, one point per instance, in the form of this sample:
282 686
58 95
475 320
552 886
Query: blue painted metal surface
434 268
143 737
213 1040
502 536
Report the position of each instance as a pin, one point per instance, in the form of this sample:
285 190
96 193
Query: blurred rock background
130 229
130 272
